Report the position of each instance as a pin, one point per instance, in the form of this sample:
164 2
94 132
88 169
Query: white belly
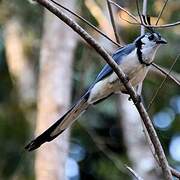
135 71
136 75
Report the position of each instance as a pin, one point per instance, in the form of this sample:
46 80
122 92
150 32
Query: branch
100 145
174 74
161 85
87 22
160 14
129 22
142 23
144 115
134 173
113 21
140 15
127 12
144 12
173 171
167 75
175 78
163 25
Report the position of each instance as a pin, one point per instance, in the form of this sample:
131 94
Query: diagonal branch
85 21
163 71
142 22
139 13
127 12
160 14
144 115
113 21
163 25
161 85
129 22
134 174
167 75
107 152
144 12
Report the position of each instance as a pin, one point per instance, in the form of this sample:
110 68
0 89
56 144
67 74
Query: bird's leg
139 93
126 81
139 97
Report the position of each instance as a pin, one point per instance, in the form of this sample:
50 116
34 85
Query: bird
134 59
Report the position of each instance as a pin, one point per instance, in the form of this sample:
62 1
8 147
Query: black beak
161 41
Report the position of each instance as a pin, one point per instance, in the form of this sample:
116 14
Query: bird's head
150 40
147 45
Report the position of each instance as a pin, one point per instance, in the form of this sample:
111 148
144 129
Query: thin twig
144 12
134 23
142 20
175 172
163 25
154 71
139 14
144 115
113 22
87 22
134 174
161 85
166 74
110 155
127 12
162 10
100 145
142 23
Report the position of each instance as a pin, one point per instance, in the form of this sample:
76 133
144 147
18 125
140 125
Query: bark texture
56 60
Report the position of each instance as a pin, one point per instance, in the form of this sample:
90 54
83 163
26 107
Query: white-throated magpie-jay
134 59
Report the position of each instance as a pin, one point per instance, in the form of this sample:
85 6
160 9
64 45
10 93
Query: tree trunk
20 69
58 45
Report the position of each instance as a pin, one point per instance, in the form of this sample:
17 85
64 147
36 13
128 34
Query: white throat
148 53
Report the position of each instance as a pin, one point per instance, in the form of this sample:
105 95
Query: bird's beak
161 41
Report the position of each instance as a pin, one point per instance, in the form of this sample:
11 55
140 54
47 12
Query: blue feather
117 57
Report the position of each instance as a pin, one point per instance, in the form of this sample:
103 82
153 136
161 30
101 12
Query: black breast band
139 53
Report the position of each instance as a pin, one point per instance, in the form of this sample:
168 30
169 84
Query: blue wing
117 57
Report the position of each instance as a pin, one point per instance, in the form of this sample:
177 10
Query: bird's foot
138 99
126 79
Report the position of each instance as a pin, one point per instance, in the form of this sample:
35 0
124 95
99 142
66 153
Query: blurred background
45 67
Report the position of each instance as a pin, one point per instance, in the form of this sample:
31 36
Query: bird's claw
129 98
138 99
126 79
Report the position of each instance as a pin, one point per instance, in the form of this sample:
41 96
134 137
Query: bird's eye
151 37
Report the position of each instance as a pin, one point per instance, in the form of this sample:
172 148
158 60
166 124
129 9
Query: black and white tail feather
60 125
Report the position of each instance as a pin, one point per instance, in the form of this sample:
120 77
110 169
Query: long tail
59 126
